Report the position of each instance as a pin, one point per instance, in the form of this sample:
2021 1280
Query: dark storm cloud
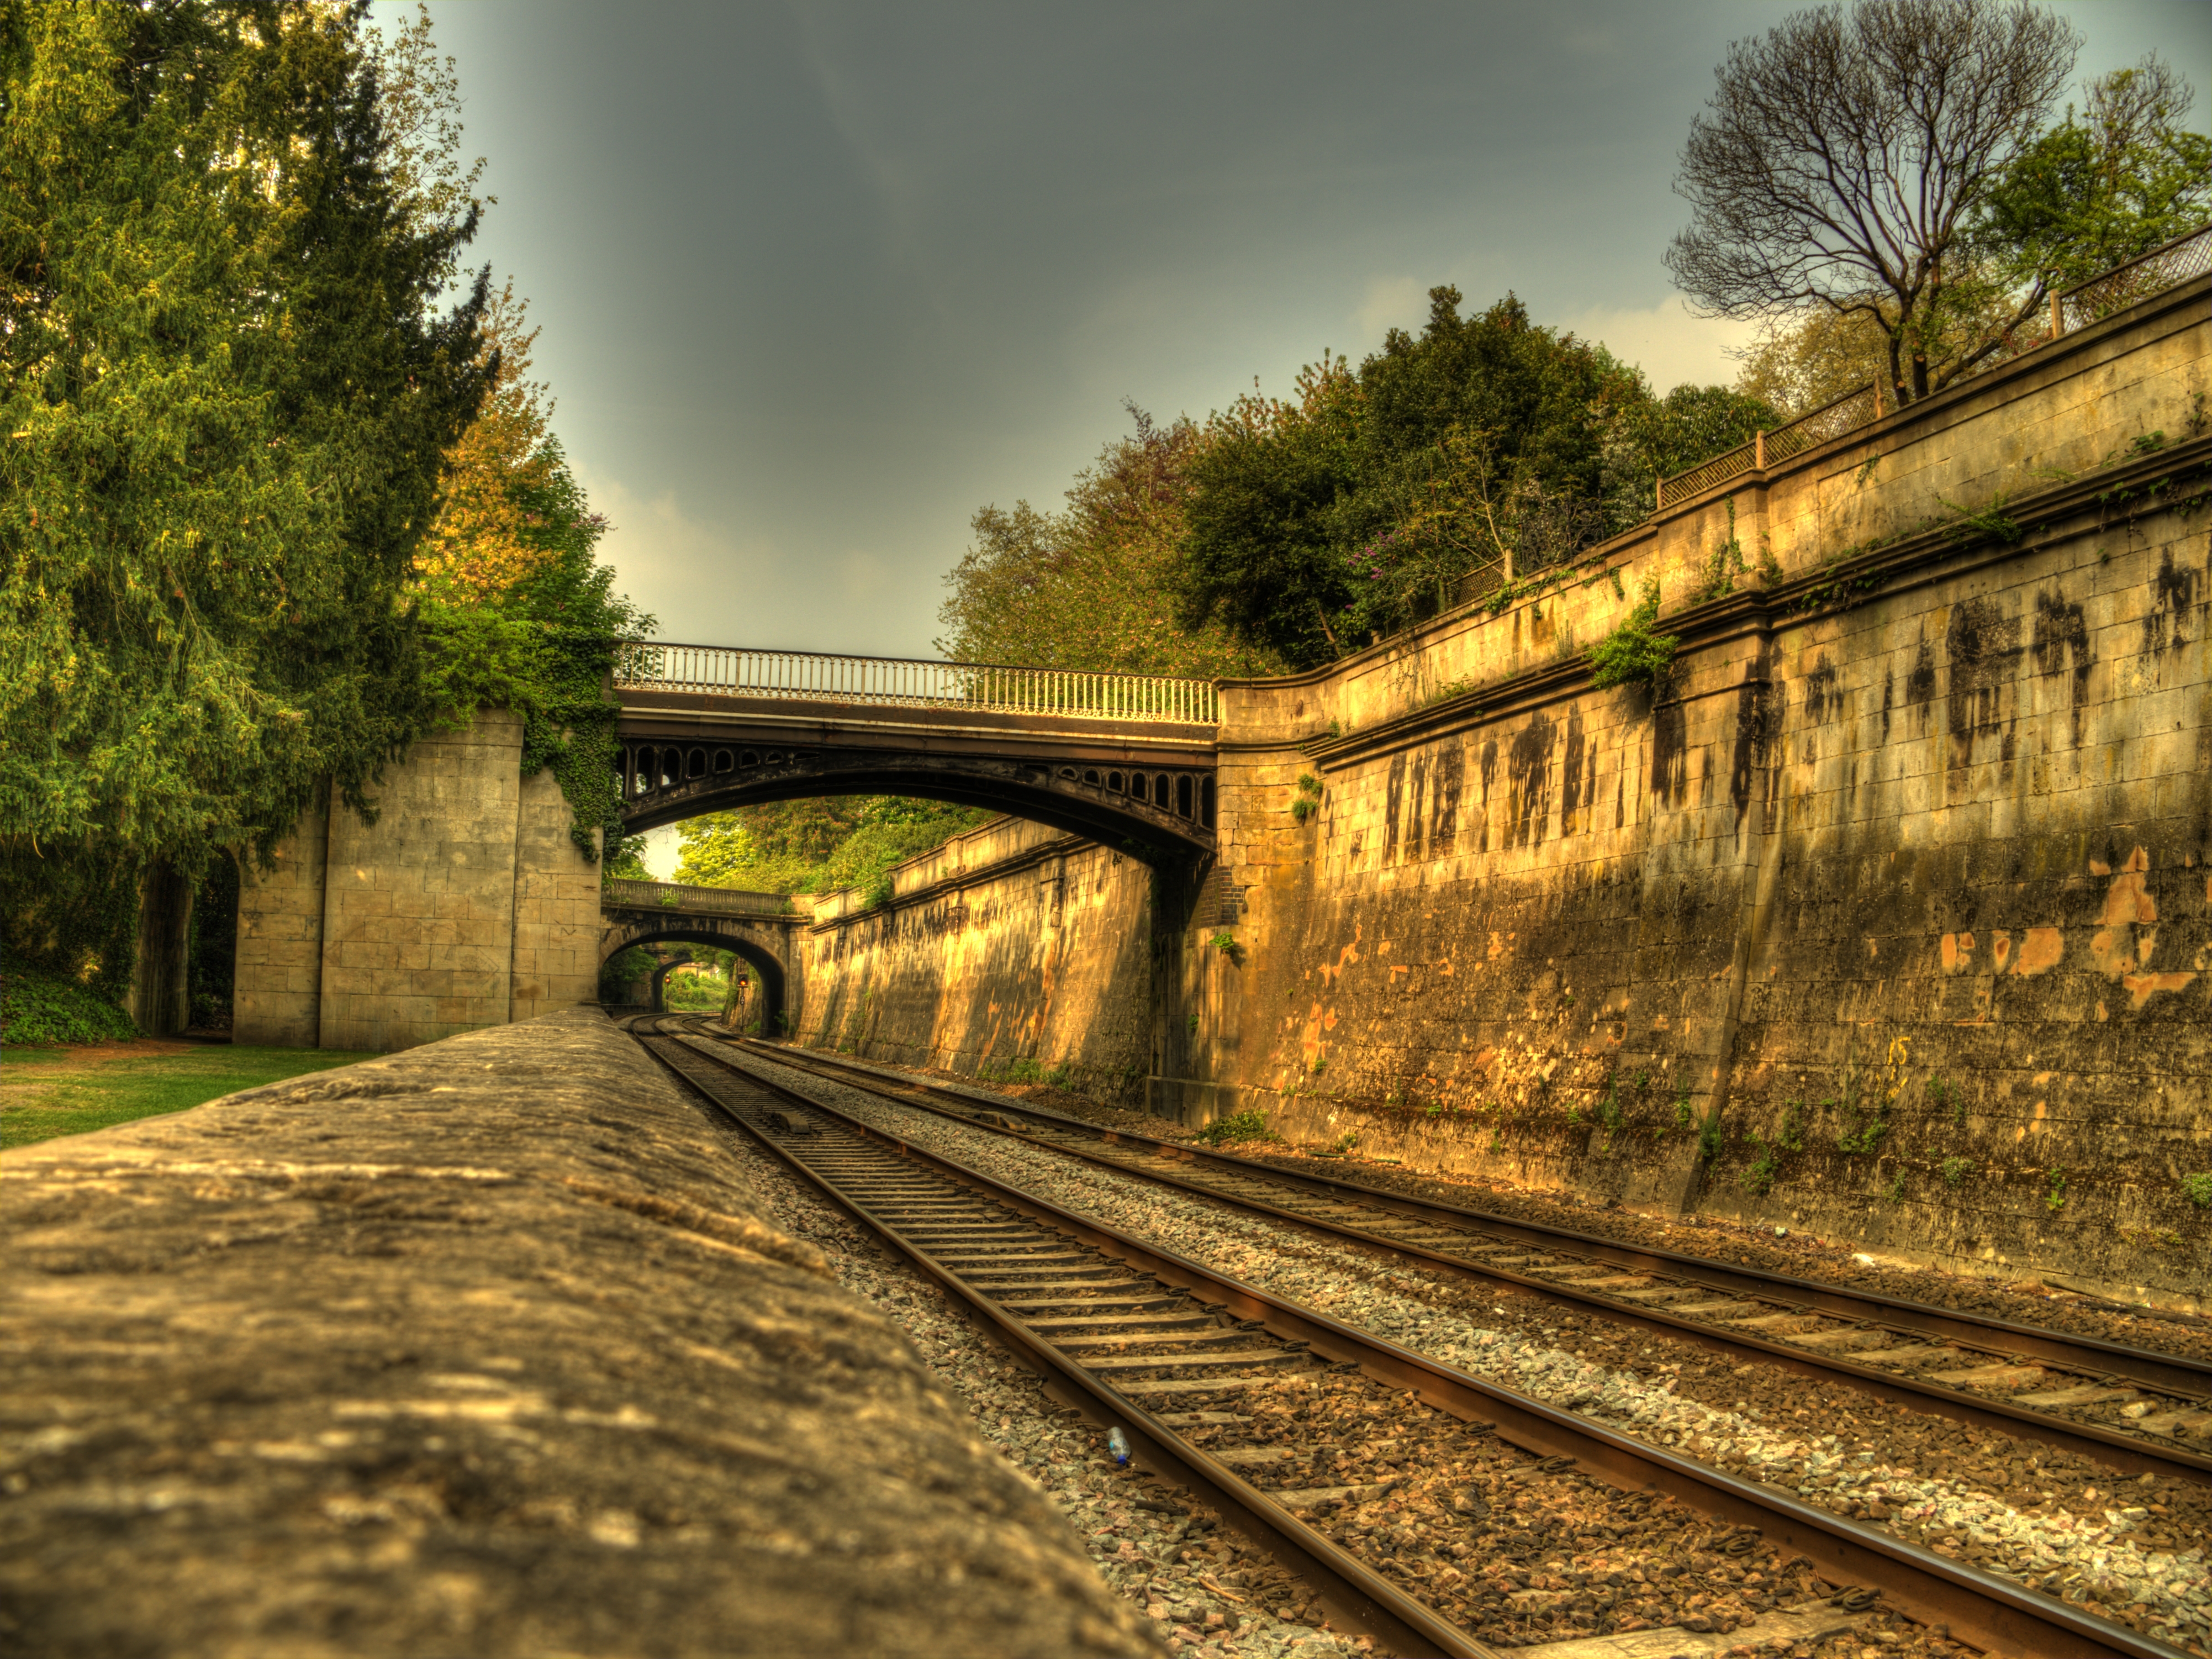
816 282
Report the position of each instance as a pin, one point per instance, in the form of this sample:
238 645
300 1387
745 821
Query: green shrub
2197 1189
1632 654
44 1009
1758 1179
1238 1126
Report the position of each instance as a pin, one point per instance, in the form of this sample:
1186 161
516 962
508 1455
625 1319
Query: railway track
1413 1496
2135 1411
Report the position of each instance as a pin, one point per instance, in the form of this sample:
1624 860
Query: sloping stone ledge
483 1349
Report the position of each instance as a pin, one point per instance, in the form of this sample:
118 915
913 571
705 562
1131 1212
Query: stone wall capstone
484 1351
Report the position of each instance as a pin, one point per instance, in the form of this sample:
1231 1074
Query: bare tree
1843 157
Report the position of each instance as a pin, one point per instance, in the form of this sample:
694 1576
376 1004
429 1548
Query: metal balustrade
2150 274
2153 272
908 683
676 895
1831 420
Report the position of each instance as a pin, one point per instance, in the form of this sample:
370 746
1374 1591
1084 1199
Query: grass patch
46 1092
1239 1126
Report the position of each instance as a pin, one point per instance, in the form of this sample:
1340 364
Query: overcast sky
817 282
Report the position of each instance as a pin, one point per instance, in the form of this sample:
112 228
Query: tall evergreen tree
227 381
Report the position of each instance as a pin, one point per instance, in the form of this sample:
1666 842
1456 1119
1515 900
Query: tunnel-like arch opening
762 962
1163 816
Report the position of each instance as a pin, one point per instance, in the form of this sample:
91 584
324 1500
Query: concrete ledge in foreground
480 1349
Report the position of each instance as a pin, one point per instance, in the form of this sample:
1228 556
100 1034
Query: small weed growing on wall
1990 522
1861 1133
1238 1126
1757 1178
1895 1192
1711 1138
1955 1169
1608 1109
1791 1136
1574 1114
1682 1115
2197 1189
1307 801
1724 565
1193 1023
1770 568
1943 1094
2054 1197
1632 654
1227 944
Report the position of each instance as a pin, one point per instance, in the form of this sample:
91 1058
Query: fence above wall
2077 307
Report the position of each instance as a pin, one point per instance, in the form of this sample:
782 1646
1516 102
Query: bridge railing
676 896
911 682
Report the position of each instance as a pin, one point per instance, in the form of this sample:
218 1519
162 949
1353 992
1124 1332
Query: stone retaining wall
1012 945
482 1350
1887 914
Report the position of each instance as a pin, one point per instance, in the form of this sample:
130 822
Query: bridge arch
1127 760
773 970
1161 808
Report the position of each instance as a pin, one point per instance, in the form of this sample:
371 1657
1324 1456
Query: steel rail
1352 1592
2088 1357
1981 1609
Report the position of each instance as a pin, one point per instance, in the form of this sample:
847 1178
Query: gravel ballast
1155 1560
2133 1551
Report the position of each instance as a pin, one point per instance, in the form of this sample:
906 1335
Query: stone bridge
761 928
1127 760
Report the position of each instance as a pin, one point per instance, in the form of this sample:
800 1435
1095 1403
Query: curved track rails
2127 1407
1210 1378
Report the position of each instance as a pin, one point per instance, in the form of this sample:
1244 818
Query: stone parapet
481 1350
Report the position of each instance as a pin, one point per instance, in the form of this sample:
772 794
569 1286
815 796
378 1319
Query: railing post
2058 316
1758 450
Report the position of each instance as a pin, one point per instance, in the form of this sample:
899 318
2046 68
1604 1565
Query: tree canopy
229 376
1486 447
278 497
1093 587
816 846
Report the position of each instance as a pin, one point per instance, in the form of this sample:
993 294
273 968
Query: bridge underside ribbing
1153 795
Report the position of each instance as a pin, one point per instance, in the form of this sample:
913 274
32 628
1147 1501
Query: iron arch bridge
760 928
1124 759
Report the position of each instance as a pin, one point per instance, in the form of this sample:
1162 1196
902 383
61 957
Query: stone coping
482 1349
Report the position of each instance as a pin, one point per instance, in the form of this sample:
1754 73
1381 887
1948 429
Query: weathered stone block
496 1393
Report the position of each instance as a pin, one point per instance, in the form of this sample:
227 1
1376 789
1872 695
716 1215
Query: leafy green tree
227 383
1262 551
1093 586
2115 181
816 846
1652 438
1319 524
1843 160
